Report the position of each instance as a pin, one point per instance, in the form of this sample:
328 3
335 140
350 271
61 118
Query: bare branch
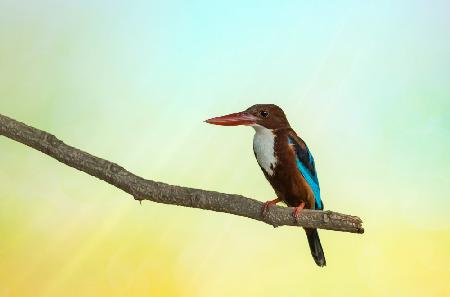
143 189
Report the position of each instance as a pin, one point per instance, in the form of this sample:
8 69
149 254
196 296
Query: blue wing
306 166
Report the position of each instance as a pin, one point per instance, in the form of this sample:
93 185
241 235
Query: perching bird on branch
286 162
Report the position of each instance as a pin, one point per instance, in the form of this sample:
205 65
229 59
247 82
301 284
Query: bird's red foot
266 205
297 211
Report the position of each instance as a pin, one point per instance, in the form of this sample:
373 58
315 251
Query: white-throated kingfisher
285 161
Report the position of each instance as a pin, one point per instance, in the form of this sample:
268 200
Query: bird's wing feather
306 166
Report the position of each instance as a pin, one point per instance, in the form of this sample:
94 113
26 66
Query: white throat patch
263 145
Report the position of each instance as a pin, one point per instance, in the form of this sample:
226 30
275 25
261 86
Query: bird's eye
263 113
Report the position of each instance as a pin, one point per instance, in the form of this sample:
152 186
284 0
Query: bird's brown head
269 116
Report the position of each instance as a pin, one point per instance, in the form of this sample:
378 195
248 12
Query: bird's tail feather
316 247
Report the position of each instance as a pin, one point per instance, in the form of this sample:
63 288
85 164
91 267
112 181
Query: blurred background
367 85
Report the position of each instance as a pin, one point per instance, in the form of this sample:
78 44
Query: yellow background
366 85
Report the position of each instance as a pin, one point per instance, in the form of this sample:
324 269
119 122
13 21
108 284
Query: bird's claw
265 208
297 211
267 204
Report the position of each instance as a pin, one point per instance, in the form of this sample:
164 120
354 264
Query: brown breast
287 181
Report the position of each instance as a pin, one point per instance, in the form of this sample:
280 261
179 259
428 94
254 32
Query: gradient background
366 85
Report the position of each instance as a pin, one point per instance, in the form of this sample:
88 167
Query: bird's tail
316 247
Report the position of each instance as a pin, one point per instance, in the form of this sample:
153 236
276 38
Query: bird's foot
266 205
297 211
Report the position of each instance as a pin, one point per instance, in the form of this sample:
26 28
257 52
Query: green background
367 85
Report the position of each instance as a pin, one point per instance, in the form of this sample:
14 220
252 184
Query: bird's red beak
234 119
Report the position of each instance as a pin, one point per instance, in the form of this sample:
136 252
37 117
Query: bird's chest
263 146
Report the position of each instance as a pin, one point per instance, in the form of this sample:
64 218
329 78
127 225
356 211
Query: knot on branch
52 141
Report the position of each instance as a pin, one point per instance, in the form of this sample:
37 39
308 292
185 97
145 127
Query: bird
286 162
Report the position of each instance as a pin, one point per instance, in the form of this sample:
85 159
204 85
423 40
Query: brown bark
142 189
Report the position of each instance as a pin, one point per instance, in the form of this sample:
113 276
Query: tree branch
143 189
